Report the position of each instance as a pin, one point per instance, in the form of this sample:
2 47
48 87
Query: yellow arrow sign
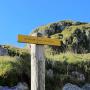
38 40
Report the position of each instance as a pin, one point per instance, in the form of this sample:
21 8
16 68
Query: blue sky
22 16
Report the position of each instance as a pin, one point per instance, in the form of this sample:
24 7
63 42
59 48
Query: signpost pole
37 57
37 67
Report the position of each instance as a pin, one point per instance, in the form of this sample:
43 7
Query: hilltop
75 36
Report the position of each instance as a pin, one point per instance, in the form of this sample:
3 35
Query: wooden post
37 67
37 57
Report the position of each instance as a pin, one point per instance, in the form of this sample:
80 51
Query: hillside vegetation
75 36
15 67
73 56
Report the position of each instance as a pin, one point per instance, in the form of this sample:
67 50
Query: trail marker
37 42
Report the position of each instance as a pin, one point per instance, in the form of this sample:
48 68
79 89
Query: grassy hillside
69 57
15 67
75 36
72 56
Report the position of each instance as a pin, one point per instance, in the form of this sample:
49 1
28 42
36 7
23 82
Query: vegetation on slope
72 56
69 57
12 70
14 51
62 61
75 36
15 67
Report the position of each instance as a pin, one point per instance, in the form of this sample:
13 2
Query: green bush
12 70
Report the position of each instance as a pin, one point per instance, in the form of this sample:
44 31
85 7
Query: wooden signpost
37 42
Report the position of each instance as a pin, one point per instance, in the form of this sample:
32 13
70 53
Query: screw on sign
37 42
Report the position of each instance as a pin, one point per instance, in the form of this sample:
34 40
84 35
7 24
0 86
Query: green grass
63 65
12 69
6 64
69 57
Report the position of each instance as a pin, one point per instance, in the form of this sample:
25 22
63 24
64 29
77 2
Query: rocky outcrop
78 76
19 86
79 41
71 87
75 36
3 51
75 87
86 87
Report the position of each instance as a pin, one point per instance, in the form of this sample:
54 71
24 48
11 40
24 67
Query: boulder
71 87
19 86
3 51
78 76
22 86
86 87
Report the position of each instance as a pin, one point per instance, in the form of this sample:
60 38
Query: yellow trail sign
38 40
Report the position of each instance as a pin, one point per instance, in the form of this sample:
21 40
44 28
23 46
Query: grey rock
78 76
71 87
50 73
20 86
1 87
3 51
86 87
